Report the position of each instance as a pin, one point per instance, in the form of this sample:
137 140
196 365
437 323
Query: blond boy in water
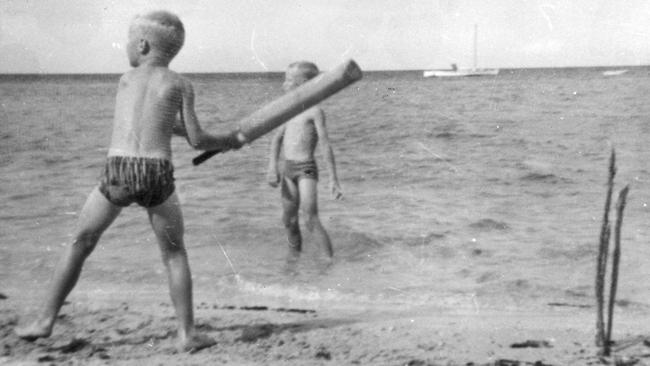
298 139
138 169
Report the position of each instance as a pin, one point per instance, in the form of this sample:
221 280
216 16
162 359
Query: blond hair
163 30
307 69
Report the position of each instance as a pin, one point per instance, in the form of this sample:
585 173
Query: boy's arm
328 153
195 135
178 128
273 175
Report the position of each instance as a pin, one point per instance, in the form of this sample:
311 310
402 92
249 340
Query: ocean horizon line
504 69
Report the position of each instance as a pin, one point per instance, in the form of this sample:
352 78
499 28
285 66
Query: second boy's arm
273 175
196 136
328 153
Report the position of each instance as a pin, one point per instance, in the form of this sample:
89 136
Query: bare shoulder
125 78
183 83
316 113
173 79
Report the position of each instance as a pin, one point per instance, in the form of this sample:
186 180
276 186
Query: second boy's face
293 79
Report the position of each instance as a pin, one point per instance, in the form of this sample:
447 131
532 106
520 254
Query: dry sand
114 329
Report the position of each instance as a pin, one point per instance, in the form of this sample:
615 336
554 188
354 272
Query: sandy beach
110 330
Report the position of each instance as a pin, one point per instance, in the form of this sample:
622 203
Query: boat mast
475 35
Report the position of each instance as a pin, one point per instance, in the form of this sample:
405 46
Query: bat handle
205 156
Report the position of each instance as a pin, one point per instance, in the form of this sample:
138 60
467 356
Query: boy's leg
290 206
167 222
96 215
309 207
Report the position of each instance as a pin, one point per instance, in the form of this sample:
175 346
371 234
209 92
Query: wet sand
113 329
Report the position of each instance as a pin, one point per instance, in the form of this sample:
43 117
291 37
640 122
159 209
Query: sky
88 36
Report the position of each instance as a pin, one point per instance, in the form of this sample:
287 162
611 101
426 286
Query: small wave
585 251
538 176
544 178
478 136
445 135
489 276
296 292
578 291
354 246
17 217
23 196
425 239
5 160
489 224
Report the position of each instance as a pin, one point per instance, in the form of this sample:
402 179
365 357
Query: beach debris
417 362
46 358
604 334
264 308
569 305
294 310
99 352
532 344
623 344
255 332
254 308
625 361
73 345
506 362
619 361
323 353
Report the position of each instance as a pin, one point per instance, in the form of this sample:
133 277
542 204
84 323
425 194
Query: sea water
470 192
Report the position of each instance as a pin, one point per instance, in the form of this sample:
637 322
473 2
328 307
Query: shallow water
464 192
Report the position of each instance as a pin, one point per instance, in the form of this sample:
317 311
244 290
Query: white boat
460 73
456 72
614 72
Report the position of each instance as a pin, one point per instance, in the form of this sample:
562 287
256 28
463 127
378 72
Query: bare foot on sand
34 330
196 343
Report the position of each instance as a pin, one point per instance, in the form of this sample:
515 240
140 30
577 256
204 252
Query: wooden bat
293 103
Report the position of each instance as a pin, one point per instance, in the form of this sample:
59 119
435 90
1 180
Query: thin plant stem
616 257
603 249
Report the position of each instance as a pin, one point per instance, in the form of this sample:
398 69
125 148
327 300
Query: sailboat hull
454 72
460 73
614 72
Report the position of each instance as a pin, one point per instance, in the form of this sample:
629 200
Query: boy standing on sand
298 138
139 169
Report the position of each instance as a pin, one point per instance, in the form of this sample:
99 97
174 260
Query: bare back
301 136
148 100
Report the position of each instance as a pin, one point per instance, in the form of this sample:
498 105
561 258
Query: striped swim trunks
145 181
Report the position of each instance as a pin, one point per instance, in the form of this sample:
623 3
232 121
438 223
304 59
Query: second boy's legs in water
290 209
96 216
303 197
